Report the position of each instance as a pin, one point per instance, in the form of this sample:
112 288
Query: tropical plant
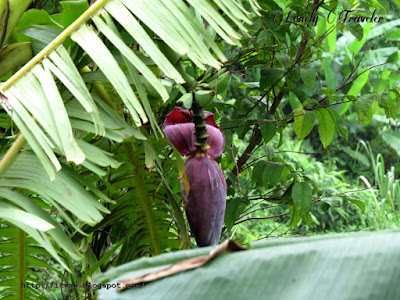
74 107
85 170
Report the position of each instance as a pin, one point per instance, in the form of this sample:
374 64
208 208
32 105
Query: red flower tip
179 130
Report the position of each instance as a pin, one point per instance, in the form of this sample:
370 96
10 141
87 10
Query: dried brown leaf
188 264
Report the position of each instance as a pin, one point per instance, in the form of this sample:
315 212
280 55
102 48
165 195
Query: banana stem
199 116
200 127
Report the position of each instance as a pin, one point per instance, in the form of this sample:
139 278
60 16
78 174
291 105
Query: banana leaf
340 266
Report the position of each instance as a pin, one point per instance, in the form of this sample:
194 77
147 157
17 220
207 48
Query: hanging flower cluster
205 209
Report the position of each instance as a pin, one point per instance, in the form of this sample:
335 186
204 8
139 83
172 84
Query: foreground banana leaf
345 266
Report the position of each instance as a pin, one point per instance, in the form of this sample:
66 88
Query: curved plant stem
143 195
11 154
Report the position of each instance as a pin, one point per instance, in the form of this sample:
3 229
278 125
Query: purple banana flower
205 208
179 130
206 199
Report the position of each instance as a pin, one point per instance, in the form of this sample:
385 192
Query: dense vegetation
87 179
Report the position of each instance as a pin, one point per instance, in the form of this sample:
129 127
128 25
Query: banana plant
81 170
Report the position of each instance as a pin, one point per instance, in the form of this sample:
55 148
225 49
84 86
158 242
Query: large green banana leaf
346 266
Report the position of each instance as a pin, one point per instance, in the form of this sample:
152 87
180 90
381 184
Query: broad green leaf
387 103
364 108
340 125
392 139
326 126
308 76
43 34
295 216
329 92
268 130
307 219
359 203
355 89
234 208
303 122
355 30
270 76
35 16
72 10
13 56
313 263
294 102
301 195
267 173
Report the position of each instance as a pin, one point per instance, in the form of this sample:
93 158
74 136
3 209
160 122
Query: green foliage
102 186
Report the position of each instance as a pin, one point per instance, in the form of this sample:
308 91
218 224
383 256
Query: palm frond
20 256
64 193
36 105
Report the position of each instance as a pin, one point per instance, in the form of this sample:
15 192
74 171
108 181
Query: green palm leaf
31 91
20 257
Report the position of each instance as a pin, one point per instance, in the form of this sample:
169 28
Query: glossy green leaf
301 195
270 76
72 10
303 122
234 208
267 173
268 130
364 108
340 125
392 139
308 76
326 126
355 29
